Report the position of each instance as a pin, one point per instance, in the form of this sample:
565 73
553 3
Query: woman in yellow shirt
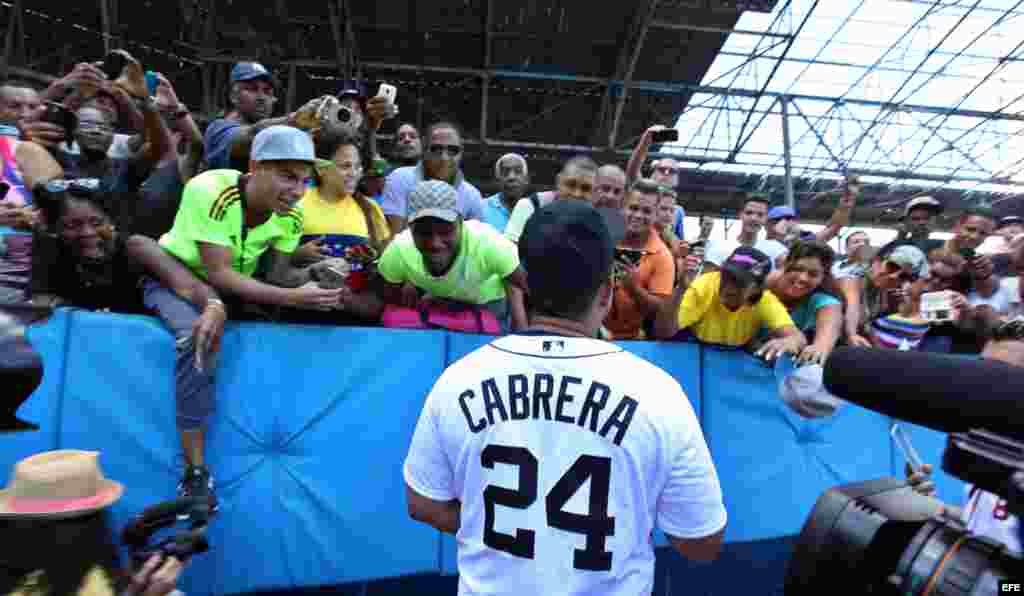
335 215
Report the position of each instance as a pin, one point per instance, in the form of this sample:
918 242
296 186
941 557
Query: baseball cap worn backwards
911 257
248 71
433 198
923 203
283 143
748 265
781 213
568 247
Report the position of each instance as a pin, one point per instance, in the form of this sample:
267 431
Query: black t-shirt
159 198
111 284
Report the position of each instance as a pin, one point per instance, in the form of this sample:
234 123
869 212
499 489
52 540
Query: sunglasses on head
453 150
74 185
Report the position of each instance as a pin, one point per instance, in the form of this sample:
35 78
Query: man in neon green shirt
446 257
227 220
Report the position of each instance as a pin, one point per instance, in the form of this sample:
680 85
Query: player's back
565 453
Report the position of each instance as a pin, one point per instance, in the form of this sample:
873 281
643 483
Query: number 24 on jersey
596 525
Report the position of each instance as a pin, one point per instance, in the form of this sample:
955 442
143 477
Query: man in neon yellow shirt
446 257
729 306
227 220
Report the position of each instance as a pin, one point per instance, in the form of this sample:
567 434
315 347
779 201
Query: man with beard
513 177
647 269
441 162
447 258
408 150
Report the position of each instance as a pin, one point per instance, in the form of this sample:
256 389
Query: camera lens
344 115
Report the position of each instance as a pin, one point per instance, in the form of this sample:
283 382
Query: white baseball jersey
564 453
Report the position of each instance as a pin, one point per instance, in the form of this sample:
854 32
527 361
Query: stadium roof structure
912 95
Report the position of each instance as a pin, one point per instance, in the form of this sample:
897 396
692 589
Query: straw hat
58 484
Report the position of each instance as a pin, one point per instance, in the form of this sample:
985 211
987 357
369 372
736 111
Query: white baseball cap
803 388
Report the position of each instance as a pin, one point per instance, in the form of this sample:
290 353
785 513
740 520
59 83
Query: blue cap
247 71
282 143
781 213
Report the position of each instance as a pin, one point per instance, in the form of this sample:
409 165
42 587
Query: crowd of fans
116 200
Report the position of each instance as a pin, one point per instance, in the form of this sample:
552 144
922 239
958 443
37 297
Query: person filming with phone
645 265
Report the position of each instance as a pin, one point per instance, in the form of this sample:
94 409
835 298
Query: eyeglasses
904 276
81 185
98 126
453 150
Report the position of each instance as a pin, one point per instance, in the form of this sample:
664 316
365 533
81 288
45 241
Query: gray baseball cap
906 255
433 198
282 143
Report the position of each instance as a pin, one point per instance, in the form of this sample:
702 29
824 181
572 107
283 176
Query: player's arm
699 549
441 515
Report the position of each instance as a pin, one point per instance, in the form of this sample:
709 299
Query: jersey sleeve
291 226
390 265
427 469
773 314
690 504
195 221
517 221
500 255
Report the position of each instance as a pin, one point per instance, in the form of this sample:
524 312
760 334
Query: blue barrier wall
314 422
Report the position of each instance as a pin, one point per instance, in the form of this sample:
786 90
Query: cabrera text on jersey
565 454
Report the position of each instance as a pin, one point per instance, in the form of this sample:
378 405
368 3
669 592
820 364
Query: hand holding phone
629 255
388 91
902 440
55 113
668 135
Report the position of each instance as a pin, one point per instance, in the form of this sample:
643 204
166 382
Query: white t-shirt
565 453
720 250
1006 301
522 211
986 515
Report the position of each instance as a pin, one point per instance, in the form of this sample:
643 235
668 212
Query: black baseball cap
748 265
567 249
1010 220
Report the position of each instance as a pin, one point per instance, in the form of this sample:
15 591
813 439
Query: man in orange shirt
647 270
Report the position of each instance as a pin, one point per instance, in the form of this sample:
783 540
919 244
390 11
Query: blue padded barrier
43 408
772 463
314 423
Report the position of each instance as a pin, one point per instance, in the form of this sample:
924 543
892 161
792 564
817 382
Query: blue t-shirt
495 212
805 315
217 143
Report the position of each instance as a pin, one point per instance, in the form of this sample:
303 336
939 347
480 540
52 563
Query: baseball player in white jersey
552 456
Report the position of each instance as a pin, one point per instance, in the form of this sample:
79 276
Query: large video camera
881 536
140 536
